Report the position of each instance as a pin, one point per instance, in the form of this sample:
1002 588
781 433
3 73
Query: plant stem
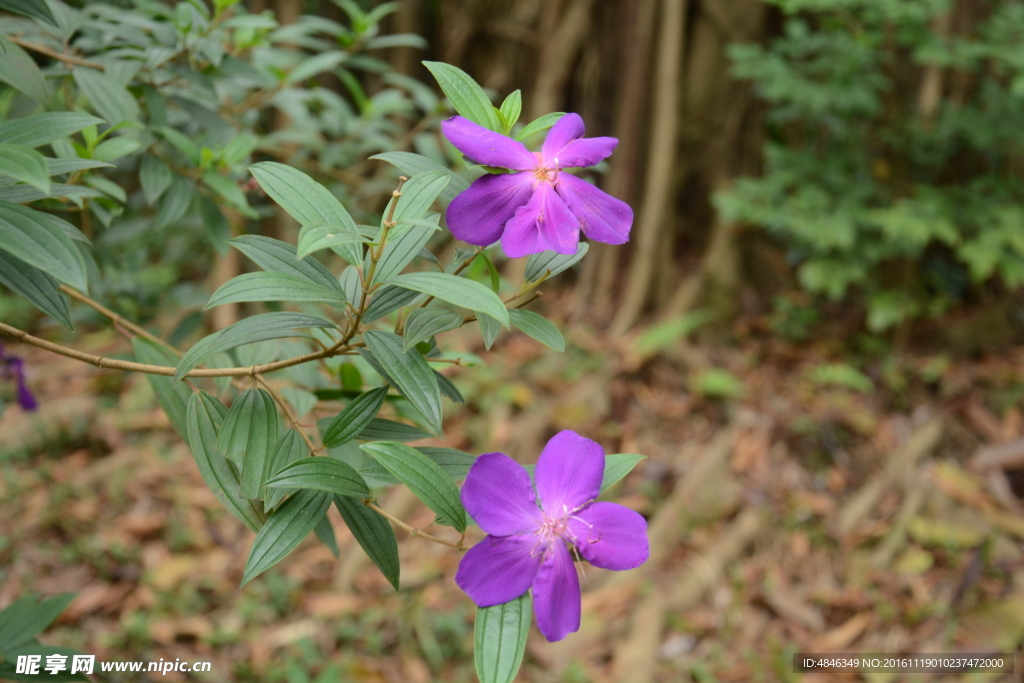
116 319
66 58
413 531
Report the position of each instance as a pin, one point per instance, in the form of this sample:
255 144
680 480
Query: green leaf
381 429
539 124
423 476
324 61
248 437
374 534
356 416
495 278
284 529
24 164
511 108
538 327
538 264
204 418
291 448
307 201
217 226
37 9
489 329
154 176
182 143
173 398
280 257
319 236
42 129
410 373
400 252
325 532
36 287
466 96
24 619
424 323
115 148
448 389
617 466
107 187
108 96
455 290
322 474
64 166
455 464
174 204
229 191
414 164
20 71
36 239
253 329
499 639
351 285
388 299
419 193
274 287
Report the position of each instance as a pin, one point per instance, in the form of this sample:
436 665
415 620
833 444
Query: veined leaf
455 290
35 239
307 201
253 329
322 474
248 437
42 129
381 429
64 166
423 476
325 532
289 449
24 619
388 299
356 416
284 529
499 639
617 466
37 9
511 108
466 96
36 287
317 236
374 534
414 164
448 388
538 264
204 418
489 328
409 372
173 398
20 71
24 164
274 287
418 194
539 124
280 257
154 176
455 464
108 96
424 323
538 327
400 252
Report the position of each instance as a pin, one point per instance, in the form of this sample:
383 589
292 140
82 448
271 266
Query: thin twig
413 531
116 319
49 52
286 409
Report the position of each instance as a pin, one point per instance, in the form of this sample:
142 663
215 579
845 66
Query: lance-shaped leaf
254 329
499 639
381 429
307 201
284 529
274 287
538 327
289 449
325 532
280 257
34 238
388 299
42 129
24 619
250 432
107 95
541 123
455 464
173 398
36 287
423 476
317 236
418 194
413 164
37 9
26 165
399 252
617 466
409 372
154 176
374 534
511 108
322 474
354 418
448 388
424 323
489 328
455 290
204 418
539 264
466 96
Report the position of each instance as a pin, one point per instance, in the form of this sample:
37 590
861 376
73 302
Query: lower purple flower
529 544
14 367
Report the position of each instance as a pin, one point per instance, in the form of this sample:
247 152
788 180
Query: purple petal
602 217
585 152
569 472
498 569
556 594
568 128
611 536
543 224
479 214
499 496
486 147
25 398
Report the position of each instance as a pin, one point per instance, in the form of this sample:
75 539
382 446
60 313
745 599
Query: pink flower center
556 527
542 172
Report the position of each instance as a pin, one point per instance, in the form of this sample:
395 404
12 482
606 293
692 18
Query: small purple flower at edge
528 544
14 367
537 208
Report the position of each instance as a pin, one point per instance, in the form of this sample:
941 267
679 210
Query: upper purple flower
537 208
528 545
14 367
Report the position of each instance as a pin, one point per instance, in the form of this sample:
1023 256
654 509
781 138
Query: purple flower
537 208
528 545
14 368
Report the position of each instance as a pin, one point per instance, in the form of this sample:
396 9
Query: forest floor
801 498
